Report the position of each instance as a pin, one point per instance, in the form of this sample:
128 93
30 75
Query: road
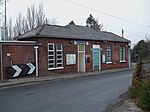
82 94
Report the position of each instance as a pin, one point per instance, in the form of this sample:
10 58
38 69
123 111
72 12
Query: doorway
96 60
96 57
81 58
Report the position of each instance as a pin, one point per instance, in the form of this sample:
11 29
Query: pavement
126 104
32 80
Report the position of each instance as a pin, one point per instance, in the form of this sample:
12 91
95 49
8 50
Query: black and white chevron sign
20 70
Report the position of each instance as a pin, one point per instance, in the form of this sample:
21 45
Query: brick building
15 53
75 48
72 48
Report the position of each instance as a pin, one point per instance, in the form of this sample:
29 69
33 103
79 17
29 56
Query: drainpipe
36 60
2 77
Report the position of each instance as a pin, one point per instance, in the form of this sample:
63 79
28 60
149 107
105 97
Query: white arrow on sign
32 68
18 70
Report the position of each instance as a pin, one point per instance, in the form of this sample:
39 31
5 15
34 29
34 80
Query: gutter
72 38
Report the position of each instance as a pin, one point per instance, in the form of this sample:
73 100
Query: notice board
70 59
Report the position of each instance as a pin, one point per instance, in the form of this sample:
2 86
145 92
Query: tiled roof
71 32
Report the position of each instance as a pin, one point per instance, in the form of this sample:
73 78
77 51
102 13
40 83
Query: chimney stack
122 33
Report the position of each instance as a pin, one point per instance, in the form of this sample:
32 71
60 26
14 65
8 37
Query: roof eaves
70 37
17 37
117 36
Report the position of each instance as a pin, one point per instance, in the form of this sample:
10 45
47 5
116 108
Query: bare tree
24 25
3 31
2 27
53 21
31 16
147 38
10 31
19 25
34 18
1 4
40 16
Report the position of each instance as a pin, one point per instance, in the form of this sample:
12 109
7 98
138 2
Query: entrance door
81 58
96 61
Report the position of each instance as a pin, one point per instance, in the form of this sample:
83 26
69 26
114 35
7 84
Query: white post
129 56
36 60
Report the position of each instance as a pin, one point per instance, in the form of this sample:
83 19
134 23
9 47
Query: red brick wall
115 55
19 54
89 66
67 49
70 48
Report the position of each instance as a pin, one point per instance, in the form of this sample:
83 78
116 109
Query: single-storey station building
66 49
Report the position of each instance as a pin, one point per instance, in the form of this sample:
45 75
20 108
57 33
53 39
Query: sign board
20 70
70 59
81 43
96 46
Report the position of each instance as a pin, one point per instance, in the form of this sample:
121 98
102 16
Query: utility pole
5 37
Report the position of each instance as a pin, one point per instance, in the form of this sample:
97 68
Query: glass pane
108 49
59 52
120 57
59 65
59 57
59 61
124 53
51 47
81 47
120 53
59 47
50 57
50 66
50 61
50 52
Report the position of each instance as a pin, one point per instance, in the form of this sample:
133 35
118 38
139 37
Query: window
108 54
122 54
51 56
55 56
59 54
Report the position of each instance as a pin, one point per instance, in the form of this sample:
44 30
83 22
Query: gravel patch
127 106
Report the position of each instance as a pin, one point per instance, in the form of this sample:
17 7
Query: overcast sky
132 10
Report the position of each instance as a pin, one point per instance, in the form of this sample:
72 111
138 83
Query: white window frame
109 50
51 55
59 55
122 53
55 56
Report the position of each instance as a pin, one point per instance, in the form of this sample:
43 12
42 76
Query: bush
140 88
134 89
144 95
136 81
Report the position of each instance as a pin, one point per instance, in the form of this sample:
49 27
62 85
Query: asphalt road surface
82 94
